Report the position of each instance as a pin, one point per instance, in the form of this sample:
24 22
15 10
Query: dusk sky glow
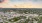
22 4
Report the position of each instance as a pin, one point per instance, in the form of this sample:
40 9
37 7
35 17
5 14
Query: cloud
28 4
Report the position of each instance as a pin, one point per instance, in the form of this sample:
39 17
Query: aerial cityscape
20 15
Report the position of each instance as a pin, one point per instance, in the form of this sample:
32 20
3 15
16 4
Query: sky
21 4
